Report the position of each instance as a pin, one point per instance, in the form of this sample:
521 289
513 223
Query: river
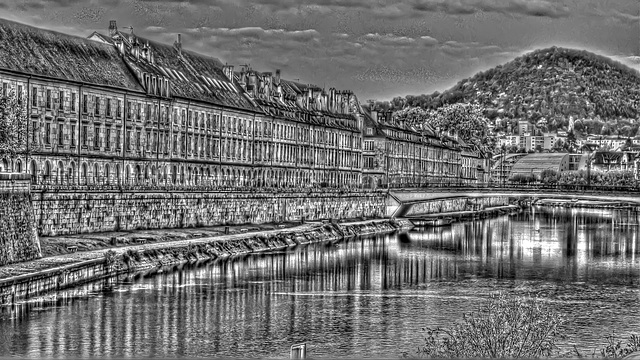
361 298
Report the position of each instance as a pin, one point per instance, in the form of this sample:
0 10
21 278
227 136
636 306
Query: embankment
71 212
131 259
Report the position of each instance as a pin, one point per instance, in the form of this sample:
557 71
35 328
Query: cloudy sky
377 48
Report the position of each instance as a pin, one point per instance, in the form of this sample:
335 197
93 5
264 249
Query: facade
397 154
117 109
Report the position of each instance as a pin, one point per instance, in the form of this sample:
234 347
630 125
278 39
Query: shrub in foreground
507 327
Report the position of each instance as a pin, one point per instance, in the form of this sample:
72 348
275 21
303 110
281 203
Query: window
175 143
119 109
128 140
148 142
60 133
47 133
96 136
189 119
107 136
148 113
73 135
61 100
84 135
138 116
118 134
20 94
84 104
48 102
73 101
34 97
4 89
108 110
183 117
97 105
138 140
34 132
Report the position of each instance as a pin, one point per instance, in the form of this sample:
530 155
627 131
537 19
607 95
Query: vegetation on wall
13 125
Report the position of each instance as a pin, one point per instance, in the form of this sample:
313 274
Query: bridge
401 200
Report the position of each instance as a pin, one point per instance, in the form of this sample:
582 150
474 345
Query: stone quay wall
65 213
456 204
165 255
18 236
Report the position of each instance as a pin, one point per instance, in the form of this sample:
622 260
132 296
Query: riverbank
22 281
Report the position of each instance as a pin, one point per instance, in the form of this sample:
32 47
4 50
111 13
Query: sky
377 48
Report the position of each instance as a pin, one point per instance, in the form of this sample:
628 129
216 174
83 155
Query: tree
466 121
13 125
571 141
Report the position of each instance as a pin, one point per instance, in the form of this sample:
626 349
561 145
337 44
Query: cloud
626 17
538 8
155 29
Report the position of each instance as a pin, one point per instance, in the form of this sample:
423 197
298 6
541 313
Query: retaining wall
75 213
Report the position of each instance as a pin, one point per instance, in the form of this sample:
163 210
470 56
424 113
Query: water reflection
365 297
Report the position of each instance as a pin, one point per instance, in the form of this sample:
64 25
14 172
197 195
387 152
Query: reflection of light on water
364 297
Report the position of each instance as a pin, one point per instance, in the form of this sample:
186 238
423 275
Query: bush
505 328
524 178
549 176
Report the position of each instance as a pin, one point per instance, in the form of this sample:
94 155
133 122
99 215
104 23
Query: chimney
228 72
146 52
119 45
135 49
178 44
277 79
113 29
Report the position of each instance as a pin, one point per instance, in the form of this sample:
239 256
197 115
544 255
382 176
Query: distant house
612 160
537 163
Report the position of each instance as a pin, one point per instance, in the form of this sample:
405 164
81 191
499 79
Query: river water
366 297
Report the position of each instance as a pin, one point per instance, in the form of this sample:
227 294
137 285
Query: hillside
549 87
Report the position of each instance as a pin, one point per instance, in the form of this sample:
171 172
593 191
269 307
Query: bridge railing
560 188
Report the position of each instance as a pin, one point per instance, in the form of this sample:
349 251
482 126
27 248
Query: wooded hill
549 87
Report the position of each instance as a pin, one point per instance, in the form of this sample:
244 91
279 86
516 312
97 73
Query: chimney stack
113 29
277 79
178 44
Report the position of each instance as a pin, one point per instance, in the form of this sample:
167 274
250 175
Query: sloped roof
192 75
536 163
41 52
608 157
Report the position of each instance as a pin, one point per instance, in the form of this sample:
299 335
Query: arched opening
46 174
71 172
96 174
127 174
4 165
83 178
18 166
33 170
174 174
118 176
138 175
60 173
107 174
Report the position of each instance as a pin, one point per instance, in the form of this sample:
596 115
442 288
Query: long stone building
118 109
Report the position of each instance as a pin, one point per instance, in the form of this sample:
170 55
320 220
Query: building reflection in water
364 297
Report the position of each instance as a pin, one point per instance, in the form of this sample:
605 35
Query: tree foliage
13 125
465 121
